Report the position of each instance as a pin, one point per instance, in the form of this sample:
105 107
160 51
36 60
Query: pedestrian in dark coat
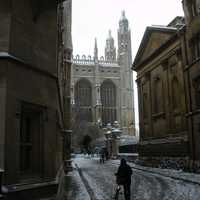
124 178
102 155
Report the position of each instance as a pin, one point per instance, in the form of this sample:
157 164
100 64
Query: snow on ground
177 174
71 187
145 185
100 177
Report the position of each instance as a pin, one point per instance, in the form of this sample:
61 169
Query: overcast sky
93 18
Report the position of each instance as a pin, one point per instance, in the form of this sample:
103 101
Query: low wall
131 148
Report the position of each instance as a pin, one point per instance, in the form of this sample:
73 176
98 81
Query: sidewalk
71 187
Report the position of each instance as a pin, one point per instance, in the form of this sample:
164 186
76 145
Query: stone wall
29 86
162 99
43 93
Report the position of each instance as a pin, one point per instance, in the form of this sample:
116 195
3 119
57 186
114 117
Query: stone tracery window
83 100
108 100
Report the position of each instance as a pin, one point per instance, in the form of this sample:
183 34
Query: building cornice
7 56
157 51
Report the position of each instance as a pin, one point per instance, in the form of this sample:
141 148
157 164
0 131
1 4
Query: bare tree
82 127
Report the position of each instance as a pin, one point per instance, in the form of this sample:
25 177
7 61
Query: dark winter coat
124 173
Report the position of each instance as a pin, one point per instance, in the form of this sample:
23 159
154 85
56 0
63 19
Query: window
108 100
83 100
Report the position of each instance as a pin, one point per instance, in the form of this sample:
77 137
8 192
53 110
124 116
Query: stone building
30 101
160 64
160 129
192 76
64 58
102 88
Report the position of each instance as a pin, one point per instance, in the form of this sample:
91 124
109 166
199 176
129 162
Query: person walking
102 156
106 154
123 175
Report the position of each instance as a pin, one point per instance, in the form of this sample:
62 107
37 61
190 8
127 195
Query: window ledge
160 114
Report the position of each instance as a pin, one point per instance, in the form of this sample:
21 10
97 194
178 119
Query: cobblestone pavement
100 180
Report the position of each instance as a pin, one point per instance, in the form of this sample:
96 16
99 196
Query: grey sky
93 18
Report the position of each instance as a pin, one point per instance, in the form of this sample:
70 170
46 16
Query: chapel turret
123 23
110 50
95 50
125 63
124 35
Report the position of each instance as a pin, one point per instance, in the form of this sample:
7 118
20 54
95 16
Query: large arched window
83 100
108 100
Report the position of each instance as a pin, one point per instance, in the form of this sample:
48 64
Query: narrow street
99 180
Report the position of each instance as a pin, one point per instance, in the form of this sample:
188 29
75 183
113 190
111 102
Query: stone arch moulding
111 81
83 79
83 57
77 57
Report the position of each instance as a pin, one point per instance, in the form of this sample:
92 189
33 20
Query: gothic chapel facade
102 88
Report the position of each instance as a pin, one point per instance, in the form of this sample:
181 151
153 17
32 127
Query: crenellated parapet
83 59
90 60
104 61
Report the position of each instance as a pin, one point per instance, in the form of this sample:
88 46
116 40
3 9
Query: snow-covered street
99 181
